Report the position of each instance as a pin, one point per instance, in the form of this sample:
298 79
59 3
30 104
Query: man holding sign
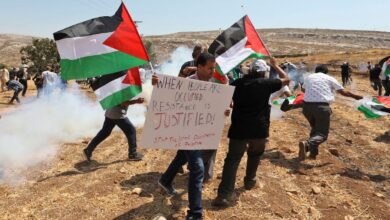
207 155
187 118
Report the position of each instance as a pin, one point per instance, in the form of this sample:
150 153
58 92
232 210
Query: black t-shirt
374 73
187 64
251 110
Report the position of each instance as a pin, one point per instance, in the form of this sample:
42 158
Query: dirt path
354 184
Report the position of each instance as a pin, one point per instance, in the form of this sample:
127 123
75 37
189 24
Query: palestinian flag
293 102
219 77
278 101
114 89
100 46
375 107
237 44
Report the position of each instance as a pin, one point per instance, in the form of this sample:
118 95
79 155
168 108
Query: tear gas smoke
32 133
179 56
170 67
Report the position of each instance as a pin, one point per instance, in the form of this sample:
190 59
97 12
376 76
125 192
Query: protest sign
186 114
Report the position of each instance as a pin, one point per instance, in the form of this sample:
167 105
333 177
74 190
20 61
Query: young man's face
208 69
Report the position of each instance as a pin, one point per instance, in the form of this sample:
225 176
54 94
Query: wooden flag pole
151 67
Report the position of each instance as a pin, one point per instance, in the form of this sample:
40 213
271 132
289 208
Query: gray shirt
116 112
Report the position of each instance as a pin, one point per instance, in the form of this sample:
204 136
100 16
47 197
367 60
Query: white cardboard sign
185 114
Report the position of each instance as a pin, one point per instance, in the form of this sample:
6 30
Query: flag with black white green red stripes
374 107
114 89
100 46
235 45
292 102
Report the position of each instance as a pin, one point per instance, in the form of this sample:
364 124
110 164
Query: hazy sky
44 17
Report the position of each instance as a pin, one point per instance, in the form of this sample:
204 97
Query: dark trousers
209 162
255 149
24 83
318 115
124 124
196 167
377 85
386 86
39 91
16 96
345 78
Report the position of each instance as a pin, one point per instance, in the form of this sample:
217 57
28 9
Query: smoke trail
276 113
170 67
179 56
32 133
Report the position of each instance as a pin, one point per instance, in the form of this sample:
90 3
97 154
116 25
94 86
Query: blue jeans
196 167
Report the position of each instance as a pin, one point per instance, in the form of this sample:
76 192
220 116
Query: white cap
259 65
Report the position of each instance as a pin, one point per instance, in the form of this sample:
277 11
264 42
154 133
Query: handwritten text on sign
186 114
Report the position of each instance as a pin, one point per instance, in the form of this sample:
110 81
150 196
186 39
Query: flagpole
151 67
265 46
246 14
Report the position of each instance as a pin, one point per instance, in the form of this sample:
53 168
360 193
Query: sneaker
220 202
250 184
169 189
87 155
135 156
303 148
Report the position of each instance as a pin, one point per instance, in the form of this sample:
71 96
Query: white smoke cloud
276 113
170 67
179 56
32 133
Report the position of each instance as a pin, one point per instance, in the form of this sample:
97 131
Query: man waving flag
100 46
237 44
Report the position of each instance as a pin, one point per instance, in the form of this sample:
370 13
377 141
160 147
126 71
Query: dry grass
354 184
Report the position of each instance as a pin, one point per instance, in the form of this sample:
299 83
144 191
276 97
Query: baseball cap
259 65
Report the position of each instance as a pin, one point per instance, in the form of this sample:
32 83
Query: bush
41 53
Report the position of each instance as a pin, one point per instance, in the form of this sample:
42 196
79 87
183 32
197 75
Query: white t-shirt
320 87
49 78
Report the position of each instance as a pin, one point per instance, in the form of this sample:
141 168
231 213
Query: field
351 183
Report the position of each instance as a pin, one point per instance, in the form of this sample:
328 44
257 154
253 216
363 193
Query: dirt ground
353 185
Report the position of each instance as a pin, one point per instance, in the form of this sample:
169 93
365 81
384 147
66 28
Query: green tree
41 53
